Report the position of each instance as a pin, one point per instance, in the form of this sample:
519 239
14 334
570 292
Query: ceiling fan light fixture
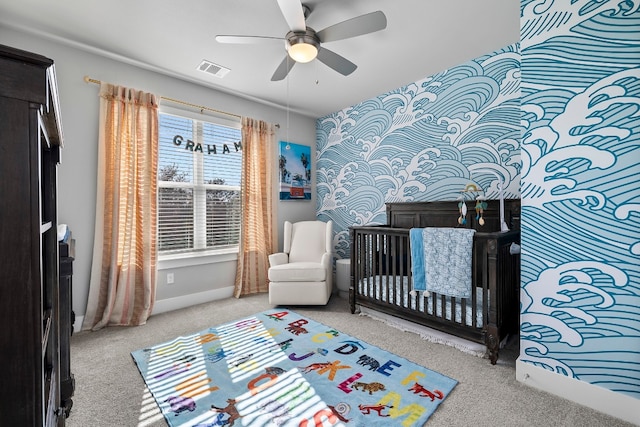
303 52
303 47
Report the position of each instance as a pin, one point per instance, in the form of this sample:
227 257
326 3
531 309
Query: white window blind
199 172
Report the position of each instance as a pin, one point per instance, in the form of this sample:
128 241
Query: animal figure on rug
367 360
419 389
370 387
322 351
218 421
230 410
284 345
296 330
242 358
366 409
146 352
279 412
179 404
315 367
216 354
275 318
187 358
338 414
274 370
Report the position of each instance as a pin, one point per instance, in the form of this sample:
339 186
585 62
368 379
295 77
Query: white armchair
302 273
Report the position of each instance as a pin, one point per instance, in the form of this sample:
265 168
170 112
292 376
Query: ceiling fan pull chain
287 105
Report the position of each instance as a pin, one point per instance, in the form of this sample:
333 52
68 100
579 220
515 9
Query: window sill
166 262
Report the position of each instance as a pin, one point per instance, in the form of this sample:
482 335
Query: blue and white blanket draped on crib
448 256
416 241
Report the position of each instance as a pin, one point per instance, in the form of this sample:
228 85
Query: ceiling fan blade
283 69
363 24
293 14
248 39
335 61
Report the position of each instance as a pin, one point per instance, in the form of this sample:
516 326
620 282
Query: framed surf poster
294 171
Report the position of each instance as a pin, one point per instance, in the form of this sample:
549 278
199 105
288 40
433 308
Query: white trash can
343 277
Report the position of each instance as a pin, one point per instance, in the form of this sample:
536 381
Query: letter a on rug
278 368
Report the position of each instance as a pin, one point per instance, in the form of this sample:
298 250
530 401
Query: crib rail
381 279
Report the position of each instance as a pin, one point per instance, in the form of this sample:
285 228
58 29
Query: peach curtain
123 272
257 238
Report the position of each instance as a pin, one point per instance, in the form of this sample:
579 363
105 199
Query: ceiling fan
304 44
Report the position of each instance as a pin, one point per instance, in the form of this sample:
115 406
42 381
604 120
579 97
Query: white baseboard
183 301
601 399
170 304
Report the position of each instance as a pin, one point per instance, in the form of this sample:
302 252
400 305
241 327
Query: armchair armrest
327 262
278 258
327 259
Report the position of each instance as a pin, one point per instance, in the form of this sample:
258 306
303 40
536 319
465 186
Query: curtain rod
88 79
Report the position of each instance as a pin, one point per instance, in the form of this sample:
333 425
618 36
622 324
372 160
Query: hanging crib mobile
481 205
462 208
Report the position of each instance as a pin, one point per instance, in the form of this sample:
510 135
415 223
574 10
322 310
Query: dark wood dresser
30 144
67 252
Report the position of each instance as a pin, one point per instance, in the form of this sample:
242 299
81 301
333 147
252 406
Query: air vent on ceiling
213 69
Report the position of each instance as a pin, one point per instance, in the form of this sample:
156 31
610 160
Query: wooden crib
381 272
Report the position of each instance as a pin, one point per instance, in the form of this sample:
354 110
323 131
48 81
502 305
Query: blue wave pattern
580 190
424 141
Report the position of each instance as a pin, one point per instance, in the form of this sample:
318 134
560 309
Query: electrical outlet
170 278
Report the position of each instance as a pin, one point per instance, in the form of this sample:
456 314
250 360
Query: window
199 170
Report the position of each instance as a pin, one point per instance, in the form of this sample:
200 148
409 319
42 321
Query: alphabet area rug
279 368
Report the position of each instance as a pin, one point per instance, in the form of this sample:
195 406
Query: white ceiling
423 37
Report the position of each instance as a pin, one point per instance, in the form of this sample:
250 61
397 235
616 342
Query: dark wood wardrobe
30 298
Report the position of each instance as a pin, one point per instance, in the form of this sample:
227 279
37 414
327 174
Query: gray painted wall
77 173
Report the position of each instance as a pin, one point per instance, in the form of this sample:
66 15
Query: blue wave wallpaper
424 141
580 299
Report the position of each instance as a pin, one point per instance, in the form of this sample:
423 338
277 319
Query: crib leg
352 300
492 341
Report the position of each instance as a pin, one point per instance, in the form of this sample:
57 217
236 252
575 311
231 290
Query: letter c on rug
317 418
252 384
319 337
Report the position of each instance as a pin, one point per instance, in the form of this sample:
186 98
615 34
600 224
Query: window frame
197 256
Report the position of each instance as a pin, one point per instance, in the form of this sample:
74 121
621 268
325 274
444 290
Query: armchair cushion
308 241
298 272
